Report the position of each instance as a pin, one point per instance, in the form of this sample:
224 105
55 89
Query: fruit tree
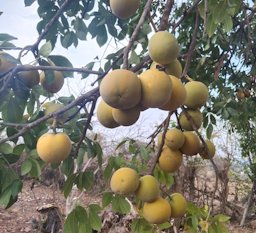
193 60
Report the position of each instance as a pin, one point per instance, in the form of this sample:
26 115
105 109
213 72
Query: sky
21 21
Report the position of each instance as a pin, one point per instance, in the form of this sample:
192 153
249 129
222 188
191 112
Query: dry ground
23 215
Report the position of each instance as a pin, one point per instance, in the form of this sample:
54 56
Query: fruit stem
54 125
188 78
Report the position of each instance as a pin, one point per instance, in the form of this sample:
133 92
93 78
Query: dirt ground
24 216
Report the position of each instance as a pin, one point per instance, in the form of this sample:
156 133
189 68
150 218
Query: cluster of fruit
125 94
155 209
31 78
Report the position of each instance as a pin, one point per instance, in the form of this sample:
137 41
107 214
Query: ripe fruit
54 85
191 145
126 117
197 94
211 147
30 78
148 190
124 8
170 160
104 115
53 148
156 88
157 212
196 117
178 95
121 89
240 94
7 62
178 205
163 47
124 181
51 107
174 138
174 68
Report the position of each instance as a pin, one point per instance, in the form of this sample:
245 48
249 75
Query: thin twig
192 46
135 33
166 125
34 47
185 14
88 121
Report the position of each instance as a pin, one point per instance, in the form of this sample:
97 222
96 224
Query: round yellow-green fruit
51 107
124 181
121 89
156 88
30 78
124 9
7 62
197 94
195 115
170 160
126 117
211 148
157 212
178 95
178 205
163 47
174 138
174 68
191 145
53 148
104 115
148 189
53 86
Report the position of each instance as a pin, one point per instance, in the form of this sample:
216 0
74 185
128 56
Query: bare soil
24 215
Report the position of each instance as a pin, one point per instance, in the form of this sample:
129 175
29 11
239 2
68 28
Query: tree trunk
249 203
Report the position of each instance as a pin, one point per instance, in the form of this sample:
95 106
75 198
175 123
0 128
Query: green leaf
95 220
29 2
99 153
69 184
164 226
31 105
15 105
106 199
134 58
6 37
89 66
26 167
36 169
102 37
221 218
228 24
46 49
77 221
140 225
85 180
120 204
17 150
209 131
6 148
59 60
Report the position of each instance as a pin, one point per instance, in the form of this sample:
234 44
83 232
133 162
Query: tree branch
89 96
166 14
